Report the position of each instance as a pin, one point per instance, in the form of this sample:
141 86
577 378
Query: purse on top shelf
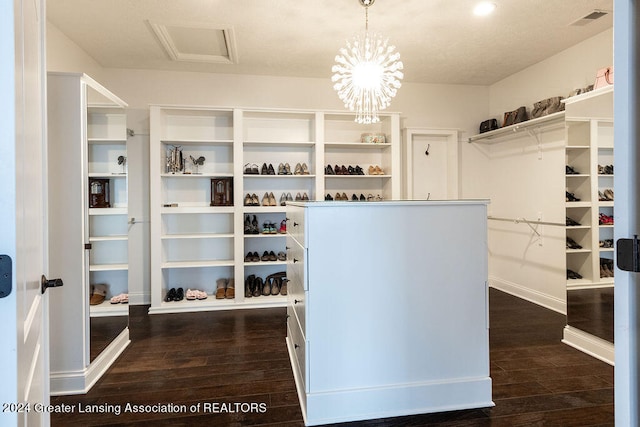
604 77
515 116
488 125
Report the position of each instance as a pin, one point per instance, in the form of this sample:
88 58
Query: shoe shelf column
605 170
279 164
192 212
579 206
108 221
361 161
589 160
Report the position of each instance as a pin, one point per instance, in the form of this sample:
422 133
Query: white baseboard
81 381
589 344
528 294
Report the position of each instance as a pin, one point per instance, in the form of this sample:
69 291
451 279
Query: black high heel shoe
171 295
571 197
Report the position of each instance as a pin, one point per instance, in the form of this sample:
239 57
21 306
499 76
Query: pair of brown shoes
225 288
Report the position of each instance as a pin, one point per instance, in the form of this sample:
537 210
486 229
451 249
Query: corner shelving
589 146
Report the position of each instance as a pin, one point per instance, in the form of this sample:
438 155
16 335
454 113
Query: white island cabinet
388 308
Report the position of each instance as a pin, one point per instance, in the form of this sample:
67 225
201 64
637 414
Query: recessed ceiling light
484 8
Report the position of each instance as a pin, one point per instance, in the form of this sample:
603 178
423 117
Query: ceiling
440 41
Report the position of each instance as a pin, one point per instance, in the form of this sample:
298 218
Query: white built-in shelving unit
194 244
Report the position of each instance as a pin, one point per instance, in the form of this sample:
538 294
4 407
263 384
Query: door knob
46 283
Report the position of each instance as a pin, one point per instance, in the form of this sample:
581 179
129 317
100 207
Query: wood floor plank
240 357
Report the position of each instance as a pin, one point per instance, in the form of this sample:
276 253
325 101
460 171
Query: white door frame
627 220
24 346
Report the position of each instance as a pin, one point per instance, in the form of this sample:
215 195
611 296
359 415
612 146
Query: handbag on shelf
488 125
547 106
515 116
604 77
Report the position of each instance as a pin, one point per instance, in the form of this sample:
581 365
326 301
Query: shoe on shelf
571 171
608 194
287 169
305 169
247 225
571 244
362 198
359 170
265 199
230 292
221 285
281 170
179 294
270 170
264 170
328 198
570 197
282 256
354 198
248 286
275 285
344 170
283 286
573 275
605 219
283 199
266 289
351 170
298 169
251 169
329 170
305 197
258 284
191 295
247 200
272 256
571 222
298 197
379 170
254 225
272 200
337 170
248 257
289 198
170 296
283 227
372 170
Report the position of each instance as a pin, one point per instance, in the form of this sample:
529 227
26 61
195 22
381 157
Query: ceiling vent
589 18
188 42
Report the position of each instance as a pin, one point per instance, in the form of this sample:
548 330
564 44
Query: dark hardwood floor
240 357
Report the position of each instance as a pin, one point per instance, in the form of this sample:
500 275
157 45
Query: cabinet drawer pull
296 301
296 346
295 224
295 260
286 248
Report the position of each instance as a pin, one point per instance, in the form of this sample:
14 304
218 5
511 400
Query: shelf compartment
218 159
201 276
103 157
106 124
341 128
116 280
193 124
263 127
197 251
108 252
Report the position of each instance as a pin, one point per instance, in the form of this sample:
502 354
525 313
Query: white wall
64 55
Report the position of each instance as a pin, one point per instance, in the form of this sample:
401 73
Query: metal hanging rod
526 221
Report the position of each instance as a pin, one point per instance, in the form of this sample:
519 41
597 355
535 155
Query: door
431 164
23 342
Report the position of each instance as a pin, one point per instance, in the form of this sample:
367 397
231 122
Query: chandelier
367 73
